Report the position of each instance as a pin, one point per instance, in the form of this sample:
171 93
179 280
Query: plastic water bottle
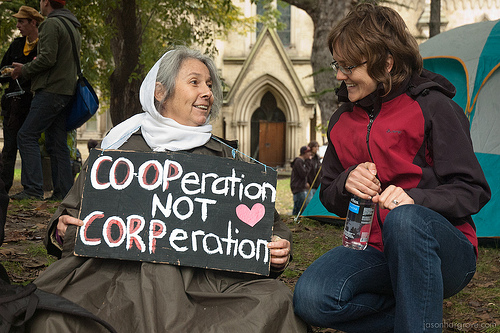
358 223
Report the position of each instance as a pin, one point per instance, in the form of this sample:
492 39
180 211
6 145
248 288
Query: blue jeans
298 200
312 192
425 259
47 114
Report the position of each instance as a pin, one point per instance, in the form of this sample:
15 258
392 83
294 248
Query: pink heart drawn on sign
251 216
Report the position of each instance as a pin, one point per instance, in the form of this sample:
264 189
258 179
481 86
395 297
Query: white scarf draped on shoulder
159 132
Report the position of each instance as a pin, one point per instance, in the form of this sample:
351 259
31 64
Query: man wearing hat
53 75
301 167
15 107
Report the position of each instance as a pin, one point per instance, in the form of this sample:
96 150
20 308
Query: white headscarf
159 132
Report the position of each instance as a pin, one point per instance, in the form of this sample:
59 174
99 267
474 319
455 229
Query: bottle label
358 223
353 208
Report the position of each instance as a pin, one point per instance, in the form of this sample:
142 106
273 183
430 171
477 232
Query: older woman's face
192 99
359 83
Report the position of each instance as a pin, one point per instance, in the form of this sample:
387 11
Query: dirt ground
23 243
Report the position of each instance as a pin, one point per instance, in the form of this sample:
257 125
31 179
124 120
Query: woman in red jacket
399 140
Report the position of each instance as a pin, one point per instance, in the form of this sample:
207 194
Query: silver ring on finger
395 202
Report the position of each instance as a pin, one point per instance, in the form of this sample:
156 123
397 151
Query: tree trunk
435 19
325 14
126 47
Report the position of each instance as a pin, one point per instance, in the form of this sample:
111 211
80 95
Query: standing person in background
15 108
399 140
314 177
299 184
53 79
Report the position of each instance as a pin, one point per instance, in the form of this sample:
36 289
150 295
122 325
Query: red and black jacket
419 139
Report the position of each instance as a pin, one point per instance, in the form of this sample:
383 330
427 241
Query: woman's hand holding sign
280 252
64 221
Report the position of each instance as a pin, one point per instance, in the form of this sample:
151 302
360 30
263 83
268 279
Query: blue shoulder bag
85 101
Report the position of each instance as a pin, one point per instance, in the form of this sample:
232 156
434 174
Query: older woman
400 141
179 95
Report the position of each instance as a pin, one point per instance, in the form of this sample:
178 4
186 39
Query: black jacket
15 54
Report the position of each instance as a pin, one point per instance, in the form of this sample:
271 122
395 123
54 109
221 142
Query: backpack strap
73 43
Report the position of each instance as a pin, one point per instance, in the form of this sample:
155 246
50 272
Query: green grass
14 267
17 175
284 196
492 330
39 251
311 239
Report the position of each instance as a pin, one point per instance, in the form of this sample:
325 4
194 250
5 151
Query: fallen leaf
486 317
43 206
34 264
6 252
447 304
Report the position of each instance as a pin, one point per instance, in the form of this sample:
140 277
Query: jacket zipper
368 129
371 115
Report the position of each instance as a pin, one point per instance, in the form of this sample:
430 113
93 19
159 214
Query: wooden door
272 143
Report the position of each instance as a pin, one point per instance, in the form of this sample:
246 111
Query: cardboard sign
177 208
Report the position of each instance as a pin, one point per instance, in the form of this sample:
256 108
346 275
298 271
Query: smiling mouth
350 85
202 107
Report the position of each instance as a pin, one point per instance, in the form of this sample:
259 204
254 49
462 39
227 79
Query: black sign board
177 208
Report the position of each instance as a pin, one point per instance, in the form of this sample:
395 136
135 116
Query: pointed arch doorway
268 125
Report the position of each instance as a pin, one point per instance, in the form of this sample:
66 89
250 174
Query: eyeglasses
345 70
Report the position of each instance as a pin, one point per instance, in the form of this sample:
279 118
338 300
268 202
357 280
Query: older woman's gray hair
169 69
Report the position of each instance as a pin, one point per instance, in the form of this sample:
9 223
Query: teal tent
469 56
316 210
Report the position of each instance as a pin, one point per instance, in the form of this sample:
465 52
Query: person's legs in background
14 112
9 154
60 161
46 108
298 200
310 196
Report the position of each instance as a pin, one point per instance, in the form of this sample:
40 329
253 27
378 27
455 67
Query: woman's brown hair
371 33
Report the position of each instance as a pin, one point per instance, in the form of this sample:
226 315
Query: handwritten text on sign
177 208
